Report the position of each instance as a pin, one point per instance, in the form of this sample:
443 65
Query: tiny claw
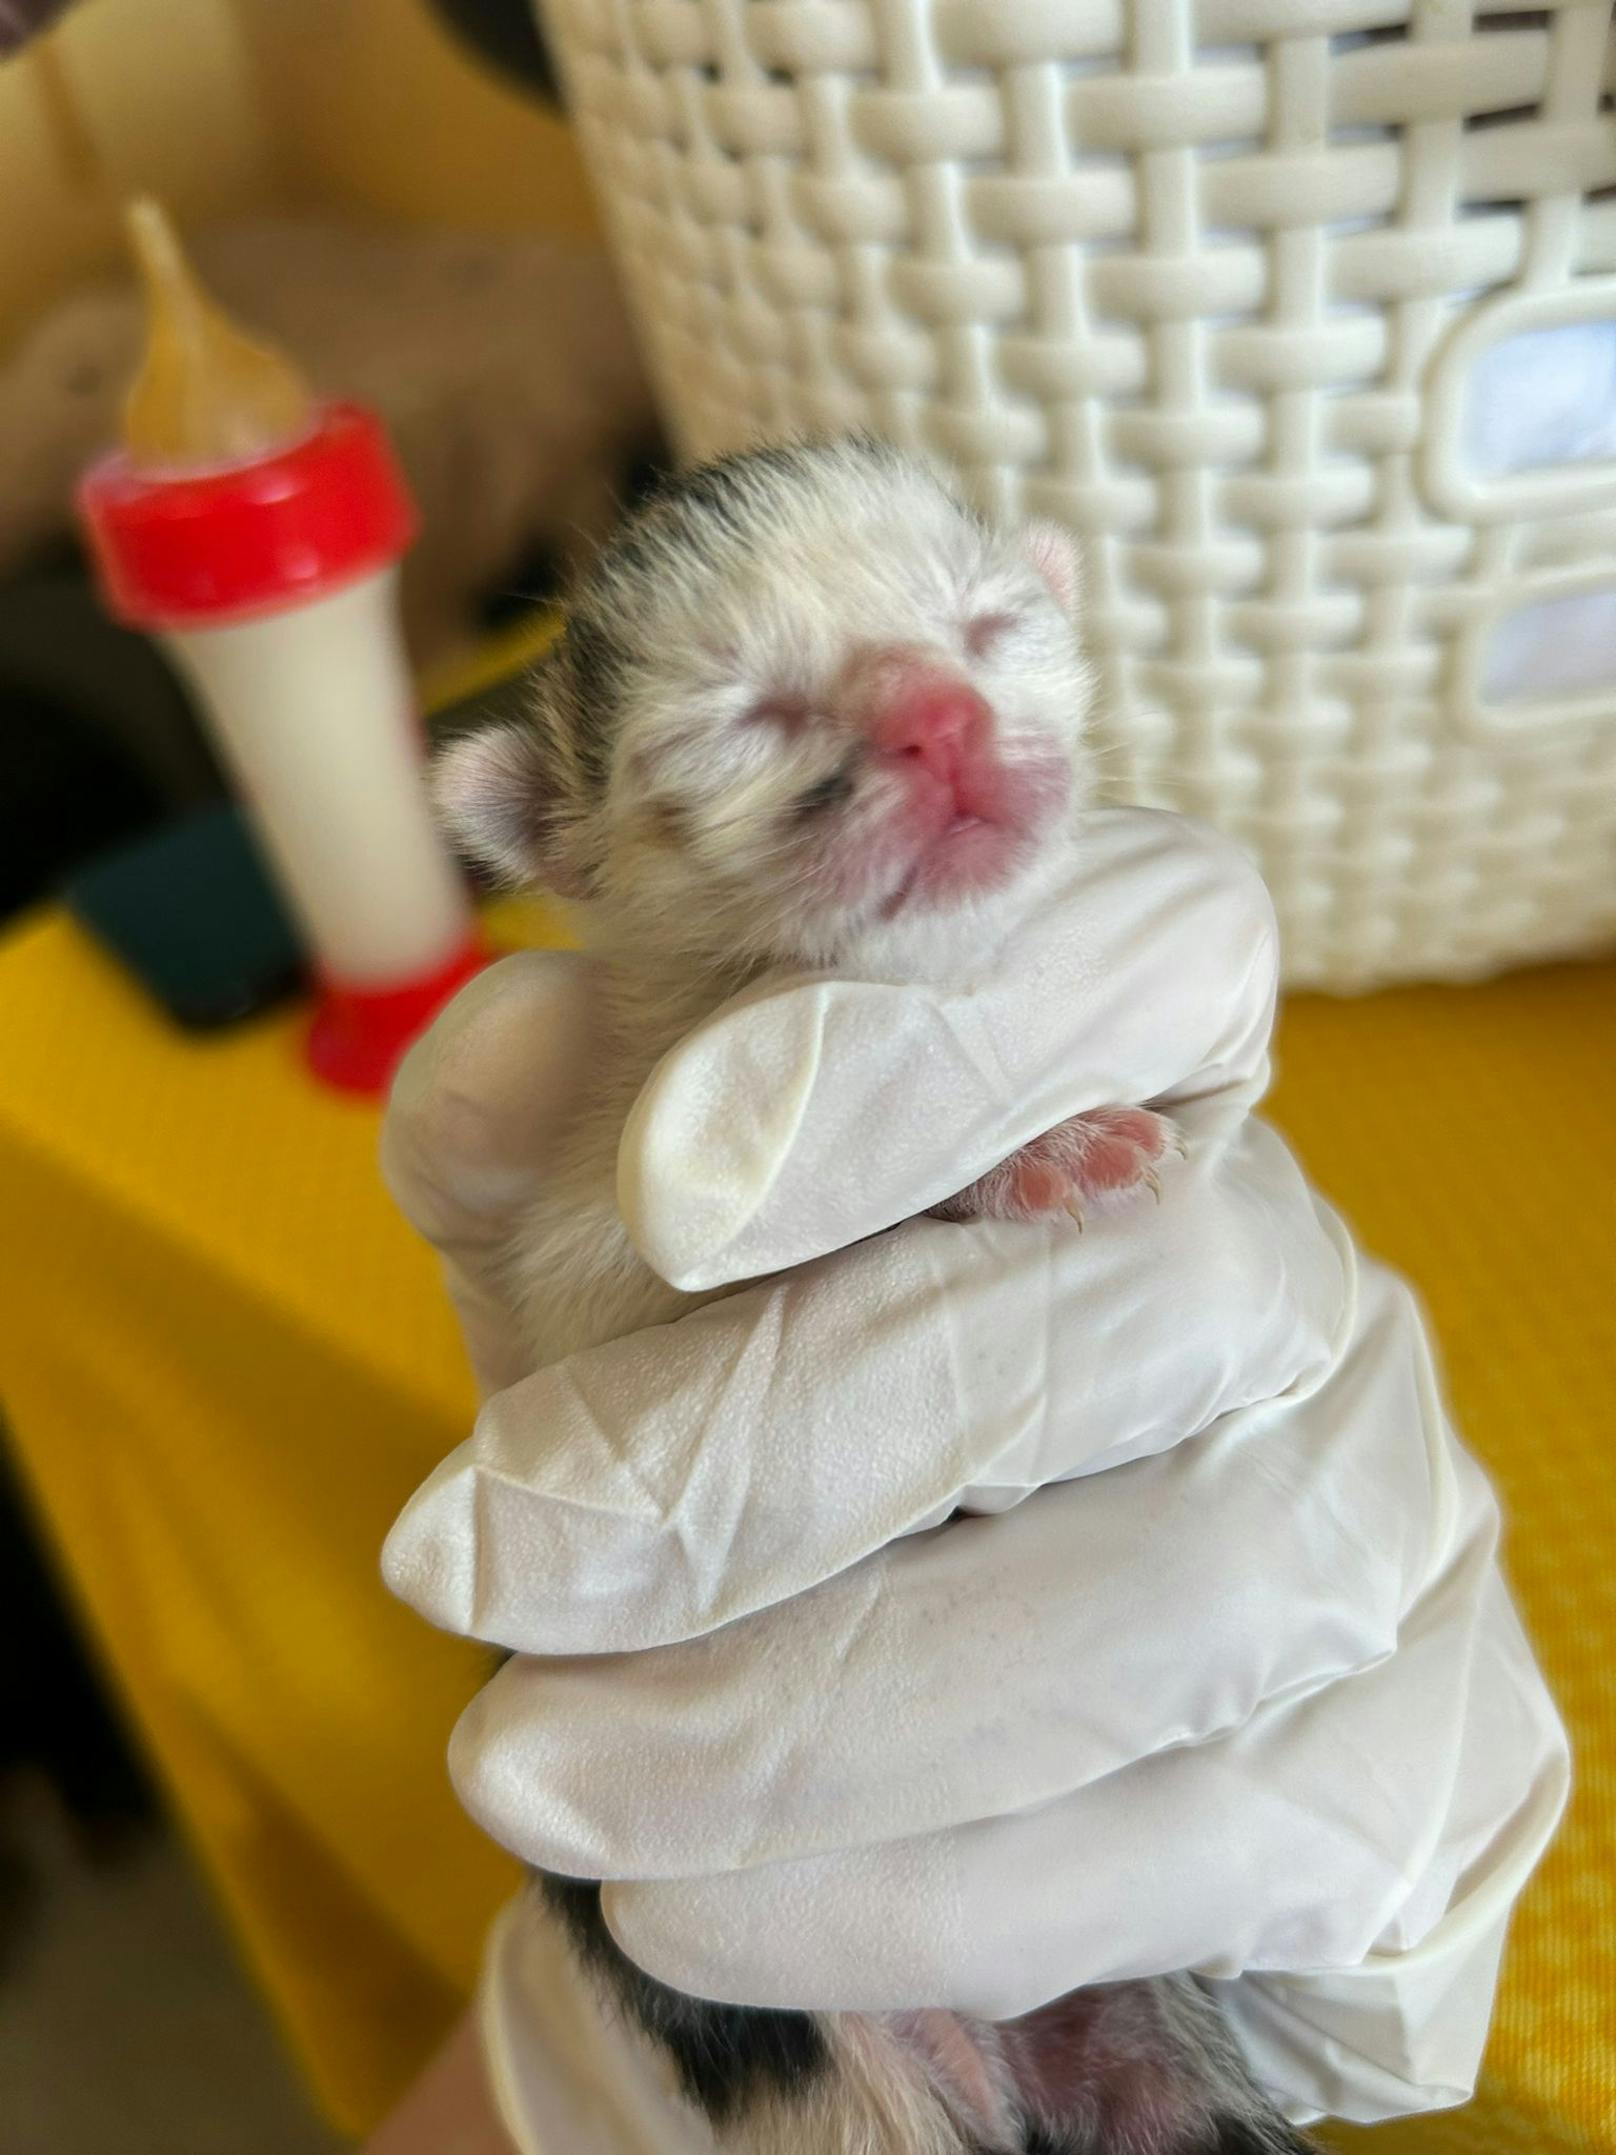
1179 1145
1152 1180
1075 1211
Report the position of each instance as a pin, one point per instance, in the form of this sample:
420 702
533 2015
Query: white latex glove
1253 1704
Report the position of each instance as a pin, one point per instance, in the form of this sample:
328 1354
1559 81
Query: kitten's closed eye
826 793
784 710
983 631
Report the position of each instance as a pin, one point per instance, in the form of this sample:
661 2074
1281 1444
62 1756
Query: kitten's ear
1053 552
495 792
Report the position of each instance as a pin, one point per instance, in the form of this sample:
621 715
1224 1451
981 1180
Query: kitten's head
804 694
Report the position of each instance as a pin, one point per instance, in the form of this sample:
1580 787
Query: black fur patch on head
594 666
724 2054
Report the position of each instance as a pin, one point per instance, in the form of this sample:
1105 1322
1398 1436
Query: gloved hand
1253 1704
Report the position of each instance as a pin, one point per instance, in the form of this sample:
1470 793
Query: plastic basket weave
1205 281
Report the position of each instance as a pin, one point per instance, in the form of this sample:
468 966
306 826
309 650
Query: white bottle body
315 715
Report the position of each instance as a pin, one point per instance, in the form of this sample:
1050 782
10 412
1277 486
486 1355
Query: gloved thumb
471 1125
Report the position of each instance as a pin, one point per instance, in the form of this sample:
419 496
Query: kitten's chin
969 860
985 847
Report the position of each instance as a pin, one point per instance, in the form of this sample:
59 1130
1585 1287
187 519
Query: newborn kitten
811 713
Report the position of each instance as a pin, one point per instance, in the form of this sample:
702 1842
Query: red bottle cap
186 548
359 1035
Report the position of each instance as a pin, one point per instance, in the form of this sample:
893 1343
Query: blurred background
238 1904
386 187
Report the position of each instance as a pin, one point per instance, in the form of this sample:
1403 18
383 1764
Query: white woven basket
1205 279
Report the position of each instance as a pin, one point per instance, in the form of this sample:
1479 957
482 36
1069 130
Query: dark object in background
97 743
190 911
69 793
97 739
56 1716
22 19
505 34
54 1709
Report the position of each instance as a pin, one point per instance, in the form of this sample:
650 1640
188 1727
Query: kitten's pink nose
920 714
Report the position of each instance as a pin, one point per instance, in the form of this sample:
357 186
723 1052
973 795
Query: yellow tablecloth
225 1364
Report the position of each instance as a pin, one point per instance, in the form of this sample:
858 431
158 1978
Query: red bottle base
358 1036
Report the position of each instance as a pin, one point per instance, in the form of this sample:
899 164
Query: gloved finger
471 1124
1332 1831
669 1482
1000 1663
806 1116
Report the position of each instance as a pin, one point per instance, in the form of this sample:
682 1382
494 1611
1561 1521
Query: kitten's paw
1105 1153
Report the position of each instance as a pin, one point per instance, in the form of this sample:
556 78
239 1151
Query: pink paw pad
1102 1154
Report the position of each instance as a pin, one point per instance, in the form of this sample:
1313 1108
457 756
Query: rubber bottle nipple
206 392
